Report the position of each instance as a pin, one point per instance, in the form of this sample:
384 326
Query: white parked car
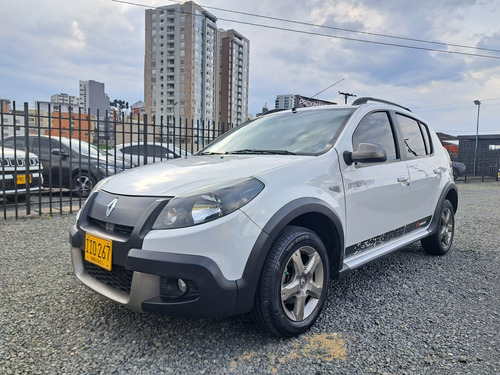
19 175
139 152
265 216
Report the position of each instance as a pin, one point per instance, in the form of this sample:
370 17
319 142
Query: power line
341 37
363 40
353 31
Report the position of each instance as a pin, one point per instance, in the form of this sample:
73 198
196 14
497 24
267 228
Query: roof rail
367 99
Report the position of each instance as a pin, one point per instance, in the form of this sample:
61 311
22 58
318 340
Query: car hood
179 176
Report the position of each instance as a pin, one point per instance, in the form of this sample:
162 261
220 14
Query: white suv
262 218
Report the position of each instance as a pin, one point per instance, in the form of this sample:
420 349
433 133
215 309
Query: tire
82 184
297 267
439 243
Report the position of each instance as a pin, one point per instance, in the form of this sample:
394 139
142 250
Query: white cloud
49 47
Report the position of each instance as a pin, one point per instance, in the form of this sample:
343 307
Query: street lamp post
478 103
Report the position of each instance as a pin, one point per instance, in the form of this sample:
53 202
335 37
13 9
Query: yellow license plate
98 251
21 179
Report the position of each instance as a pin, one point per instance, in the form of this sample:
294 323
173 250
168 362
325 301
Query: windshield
307 132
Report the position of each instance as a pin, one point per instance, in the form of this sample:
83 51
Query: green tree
119 104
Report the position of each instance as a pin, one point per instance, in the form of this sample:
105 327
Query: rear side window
376 128
415 137
45 145
157 151
19 143
132 150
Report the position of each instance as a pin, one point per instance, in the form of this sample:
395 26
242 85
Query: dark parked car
458 169
69 163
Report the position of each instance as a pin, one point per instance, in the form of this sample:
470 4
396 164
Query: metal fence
77 149
481 155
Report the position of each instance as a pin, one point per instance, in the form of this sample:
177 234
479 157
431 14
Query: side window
415 137
43 145
427 139
19 145
131 150
125 150
376 128
156 151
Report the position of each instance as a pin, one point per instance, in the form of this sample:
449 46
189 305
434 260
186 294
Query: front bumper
148 265
152 278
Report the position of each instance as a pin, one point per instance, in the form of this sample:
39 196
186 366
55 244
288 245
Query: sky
435 57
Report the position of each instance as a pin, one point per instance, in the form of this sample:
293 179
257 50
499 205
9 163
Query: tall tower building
181 67
93 98
94 101
233 78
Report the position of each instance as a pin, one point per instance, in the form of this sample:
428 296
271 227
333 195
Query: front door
377 194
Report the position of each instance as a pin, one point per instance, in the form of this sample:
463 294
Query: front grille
110 227
118 278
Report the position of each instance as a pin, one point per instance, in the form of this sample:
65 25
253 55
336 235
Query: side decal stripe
386 237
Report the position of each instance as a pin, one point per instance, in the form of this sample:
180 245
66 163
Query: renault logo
111 206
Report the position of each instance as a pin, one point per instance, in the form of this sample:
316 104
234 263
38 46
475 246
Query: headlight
207 204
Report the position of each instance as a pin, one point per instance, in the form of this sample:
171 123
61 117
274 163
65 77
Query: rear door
377 194
424 170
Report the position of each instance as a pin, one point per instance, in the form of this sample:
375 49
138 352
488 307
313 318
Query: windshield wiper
255 151
211 153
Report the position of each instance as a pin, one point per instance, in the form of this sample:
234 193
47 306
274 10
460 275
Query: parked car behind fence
19 175
139 153
69 163
458 169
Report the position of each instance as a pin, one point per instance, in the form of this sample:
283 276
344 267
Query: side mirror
59 152
366 153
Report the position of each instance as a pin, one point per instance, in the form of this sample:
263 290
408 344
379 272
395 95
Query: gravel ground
407 313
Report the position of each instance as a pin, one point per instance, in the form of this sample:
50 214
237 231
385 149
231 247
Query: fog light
181 285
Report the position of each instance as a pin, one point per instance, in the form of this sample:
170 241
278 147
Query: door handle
404 180
437 171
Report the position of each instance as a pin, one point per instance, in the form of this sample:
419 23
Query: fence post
145 138
27 160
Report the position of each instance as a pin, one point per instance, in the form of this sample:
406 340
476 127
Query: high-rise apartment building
233 78
95 101
182 72
93 98
288 101
62 98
